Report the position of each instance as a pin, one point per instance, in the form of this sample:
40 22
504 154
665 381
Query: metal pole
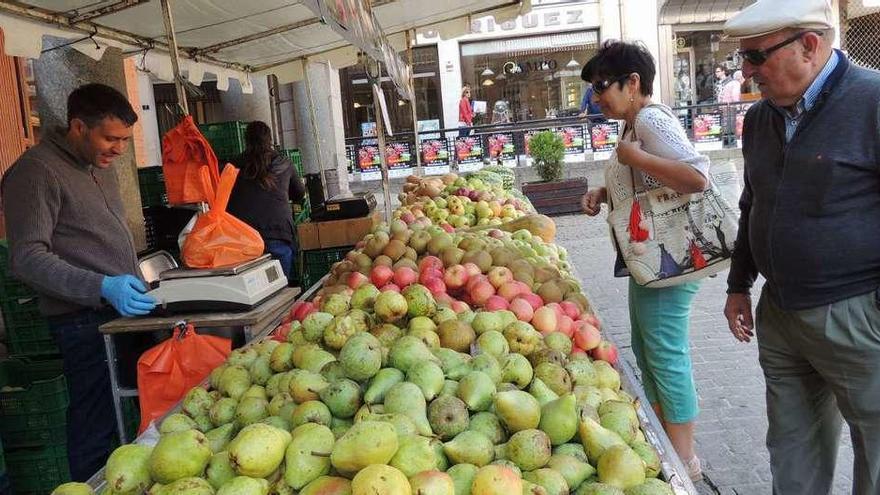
172 47
412 104
380 139
313 119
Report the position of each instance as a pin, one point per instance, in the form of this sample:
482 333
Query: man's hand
738 311
591 202
127 294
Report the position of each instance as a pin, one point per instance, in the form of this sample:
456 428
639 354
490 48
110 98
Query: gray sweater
65 225
810 219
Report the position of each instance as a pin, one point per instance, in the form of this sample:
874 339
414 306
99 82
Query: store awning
531 45
235 38
700 11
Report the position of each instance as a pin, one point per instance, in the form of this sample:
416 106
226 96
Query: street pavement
732 424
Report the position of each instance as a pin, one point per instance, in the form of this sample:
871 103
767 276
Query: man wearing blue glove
68 239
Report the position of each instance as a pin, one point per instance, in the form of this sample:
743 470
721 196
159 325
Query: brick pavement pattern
730 385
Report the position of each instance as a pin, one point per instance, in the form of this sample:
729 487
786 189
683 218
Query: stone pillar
57 74
247 107
329 149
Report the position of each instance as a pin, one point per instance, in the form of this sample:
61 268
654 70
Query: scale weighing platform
235 288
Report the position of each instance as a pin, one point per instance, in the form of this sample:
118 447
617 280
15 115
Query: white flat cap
768 16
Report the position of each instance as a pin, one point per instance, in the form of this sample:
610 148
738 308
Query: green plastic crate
131 416
151 175
39 386
295 157
27 331
2 466
153 194
316 263
225 138
37 471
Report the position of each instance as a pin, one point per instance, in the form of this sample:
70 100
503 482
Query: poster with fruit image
368 162
436 157
603 138
499 146
398 156
469 153
573 137
707 132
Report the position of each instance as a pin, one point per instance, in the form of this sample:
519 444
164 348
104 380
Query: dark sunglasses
757 56
600 87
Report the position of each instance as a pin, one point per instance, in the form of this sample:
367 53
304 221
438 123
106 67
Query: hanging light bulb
487 72
488 82
501 76
357 105
572 64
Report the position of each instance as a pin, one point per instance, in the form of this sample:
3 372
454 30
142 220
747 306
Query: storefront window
357 96
535 77
697 55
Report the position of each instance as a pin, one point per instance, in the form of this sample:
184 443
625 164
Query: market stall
480 339
444 359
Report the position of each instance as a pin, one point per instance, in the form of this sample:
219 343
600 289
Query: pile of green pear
402 418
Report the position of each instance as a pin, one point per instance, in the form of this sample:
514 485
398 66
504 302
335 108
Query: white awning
533 44
700 11
231 38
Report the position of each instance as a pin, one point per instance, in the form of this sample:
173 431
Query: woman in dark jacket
261 196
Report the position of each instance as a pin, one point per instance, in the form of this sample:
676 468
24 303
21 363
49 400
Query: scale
235 288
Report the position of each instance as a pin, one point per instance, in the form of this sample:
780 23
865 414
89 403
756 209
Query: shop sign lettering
529 66
533 20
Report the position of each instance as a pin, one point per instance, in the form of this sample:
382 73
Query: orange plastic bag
218 238
185 152
169 370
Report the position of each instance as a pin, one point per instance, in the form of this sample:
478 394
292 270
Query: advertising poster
435 156
740 117
368 162
399 158
604 137
707 132
499 147
349 159
469 153
573 139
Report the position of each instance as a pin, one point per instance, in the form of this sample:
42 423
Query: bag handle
224 189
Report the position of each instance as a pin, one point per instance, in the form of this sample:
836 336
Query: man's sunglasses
757 56
600 87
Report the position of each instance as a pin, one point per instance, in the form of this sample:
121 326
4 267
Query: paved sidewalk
730 384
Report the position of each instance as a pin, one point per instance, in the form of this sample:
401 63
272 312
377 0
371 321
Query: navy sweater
810 219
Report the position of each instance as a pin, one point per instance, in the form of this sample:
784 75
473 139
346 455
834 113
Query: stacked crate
27 331
33 424
225 138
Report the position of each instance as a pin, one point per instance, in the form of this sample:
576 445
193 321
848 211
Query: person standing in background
465 112
69 241
728 88
262 193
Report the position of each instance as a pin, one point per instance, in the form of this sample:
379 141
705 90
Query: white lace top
661 134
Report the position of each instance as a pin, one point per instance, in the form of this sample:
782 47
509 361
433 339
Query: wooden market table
257 321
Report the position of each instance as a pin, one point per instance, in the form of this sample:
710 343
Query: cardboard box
336 233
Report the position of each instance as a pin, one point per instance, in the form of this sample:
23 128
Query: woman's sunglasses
600 87
757 56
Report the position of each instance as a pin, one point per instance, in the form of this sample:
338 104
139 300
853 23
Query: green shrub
547 150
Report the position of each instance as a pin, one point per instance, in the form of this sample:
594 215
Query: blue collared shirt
793 117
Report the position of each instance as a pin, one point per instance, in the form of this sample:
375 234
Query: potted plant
552 195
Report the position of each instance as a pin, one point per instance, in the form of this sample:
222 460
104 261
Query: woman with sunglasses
654 151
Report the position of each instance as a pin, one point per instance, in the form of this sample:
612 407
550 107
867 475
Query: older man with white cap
810 225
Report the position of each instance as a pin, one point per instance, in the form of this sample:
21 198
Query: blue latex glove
127 294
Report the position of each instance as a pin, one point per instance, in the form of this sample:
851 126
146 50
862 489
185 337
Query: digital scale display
271 274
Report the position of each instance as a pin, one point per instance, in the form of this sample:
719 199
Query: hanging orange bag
219 239
166 372
185 152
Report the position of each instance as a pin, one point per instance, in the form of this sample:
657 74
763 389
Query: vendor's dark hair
724 69
619 58
258 154
94 102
